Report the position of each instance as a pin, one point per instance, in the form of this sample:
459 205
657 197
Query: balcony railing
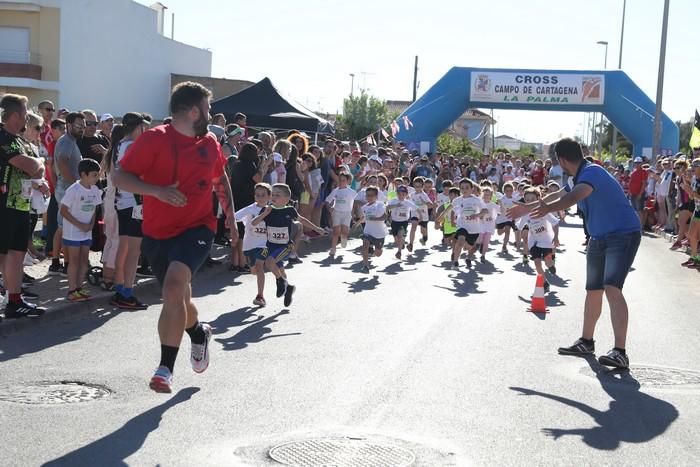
20 64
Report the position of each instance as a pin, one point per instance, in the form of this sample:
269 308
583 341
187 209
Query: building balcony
19 64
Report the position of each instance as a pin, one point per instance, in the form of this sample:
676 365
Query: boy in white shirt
467 212
420 214
340 203
488 224
255 238
400 210
542 238
505 224
78 211
373 216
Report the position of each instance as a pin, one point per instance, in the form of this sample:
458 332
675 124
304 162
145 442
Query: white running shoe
28 260
162 380
199 356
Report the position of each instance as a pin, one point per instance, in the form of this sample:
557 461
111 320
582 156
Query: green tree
451 144
362 114
624 147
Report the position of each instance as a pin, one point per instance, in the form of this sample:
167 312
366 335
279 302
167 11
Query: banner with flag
407 123
370 140
385 134
395 128
695 135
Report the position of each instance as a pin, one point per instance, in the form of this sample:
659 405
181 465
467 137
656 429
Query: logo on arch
591 86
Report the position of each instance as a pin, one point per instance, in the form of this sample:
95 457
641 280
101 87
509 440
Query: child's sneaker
75 296
398 255
259 301
331 254
288 295
553 270
525 259
615 359
365 268
546 287
409 247
84 293
162 380
580 347
281 286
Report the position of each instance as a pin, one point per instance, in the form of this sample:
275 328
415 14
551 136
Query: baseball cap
276 156
376 159
638 160
106 117
402 189
133 119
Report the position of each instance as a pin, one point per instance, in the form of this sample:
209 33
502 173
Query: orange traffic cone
537 304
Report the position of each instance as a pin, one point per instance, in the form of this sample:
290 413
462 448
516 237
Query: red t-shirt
638 180
162 156
537 175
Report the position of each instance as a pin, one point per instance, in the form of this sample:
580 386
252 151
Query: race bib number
137 212
541 229
260 231
26 189
278 234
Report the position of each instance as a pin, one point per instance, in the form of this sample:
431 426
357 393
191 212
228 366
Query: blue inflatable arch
612 93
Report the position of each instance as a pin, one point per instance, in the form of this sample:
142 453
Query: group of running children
468 215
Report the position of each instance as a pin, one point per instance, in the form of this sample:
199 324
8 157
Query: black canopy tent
266 108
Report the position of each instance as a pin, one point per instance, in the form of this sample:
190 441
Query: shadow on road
632 416
255 333
363 284
235 318
487 267
394 269
526 268
464 283
418 256
117 446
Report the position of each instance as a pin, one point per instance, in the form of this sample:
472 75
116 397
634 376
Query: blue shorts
256 254
278 252
191 248
610 258
77 243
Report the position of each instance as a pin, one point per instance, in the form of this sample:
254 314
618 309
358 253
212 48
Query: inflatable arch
612 93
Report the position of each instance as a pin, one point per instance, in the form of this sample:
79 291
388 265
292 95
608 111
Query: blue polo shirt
607 209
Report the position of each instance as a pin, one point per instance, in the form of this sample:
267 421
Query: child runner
467 211
488 225
340 202
400 210
279 218
444 196
420 214
373 216
255 238
542 237
504 224
429 189
444 218
78 210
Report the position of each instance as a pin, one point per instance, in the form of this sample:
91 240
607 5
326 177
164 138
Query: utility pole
619 67
352 83
599 133
656 146
415 80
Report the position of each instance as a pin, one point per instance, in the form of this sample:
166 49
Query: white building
107 55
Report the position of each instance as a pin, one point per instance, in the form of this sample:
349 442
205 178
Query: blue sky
309 47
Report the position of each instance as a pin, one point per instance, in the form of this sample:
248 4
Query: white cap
106 117
638 159
376 159
277 157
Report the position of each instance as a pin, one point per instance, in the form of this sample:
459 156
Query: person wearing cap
92 144
232 142
615 237
218 125
105 126
638 182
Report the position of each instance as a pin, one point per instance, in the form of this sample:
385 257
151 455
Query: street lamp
619 67
656 145
598 144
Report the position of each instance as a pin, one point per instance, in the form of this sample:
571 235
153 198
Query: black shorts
503 225
688 206
540 253
397 226
419 222
128 226
15 230
470 238
377 243
191 247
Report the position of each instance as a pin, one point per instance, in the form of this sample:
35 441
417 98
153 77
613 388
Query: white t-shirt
488 223
376 229
541 231
362 196
557 174
421 200
81 204
442 198
255 235
664 184
651 186
125 200
467 212
400 210
342 199
506 203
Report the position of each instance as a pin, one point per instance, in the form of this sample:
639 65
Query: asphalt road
446 364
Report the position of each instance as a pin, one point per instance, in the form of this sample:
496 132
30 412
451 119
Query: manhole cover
651 376
337 452
54 392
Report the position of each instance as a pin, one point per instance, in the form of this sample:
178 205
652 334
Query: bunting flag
407 123
370 140
695 135
395 128
385 134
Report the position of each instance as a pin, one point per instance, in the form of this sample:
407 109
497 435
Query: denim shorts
610 258
637 202
191 248
77 243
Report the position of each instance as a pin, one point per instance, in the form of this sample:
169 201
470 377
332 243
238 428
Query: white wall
113 60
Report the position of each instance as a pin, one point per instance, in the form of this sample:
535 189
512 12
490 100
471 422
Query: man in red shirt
175 167
638 181
538 173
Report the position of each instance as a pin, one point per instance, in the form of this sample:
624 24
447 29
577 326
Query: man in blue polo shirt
615 236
